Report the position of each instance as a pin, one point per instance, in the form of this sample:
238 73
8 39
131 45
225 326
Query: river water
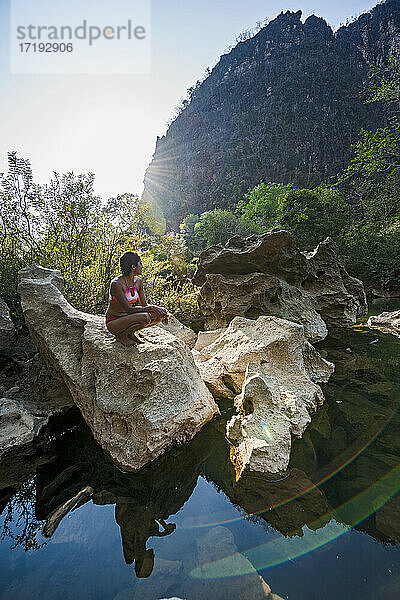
328 528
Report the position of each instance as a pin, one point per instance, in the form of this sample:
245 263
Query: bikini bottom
111 319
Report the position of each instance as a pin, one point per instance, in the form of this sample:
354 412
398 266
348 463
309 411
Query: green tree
312 215
260 207
217 226
371 183
212 227
373 255
65 225
372 178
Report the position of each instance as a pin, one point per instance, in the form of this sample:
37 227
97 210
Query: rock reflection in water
77 469
143 501
337 453
355 437
286 503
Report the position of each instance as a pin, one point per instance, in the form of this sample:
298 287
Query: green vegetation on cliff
360 210
284 106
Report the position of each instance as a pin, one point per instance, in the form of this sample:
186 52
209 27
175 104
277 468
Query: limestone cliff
284 105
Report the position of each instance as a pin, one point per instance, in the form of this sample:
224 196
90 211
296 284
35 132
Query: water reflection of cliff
359 420
354 440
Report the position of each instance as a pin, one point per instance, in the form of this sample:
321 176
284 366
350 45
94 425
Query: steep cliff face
284 105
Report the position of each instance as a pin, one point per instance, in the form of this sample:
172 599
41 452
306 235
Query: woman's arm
140 291
118 293
162 312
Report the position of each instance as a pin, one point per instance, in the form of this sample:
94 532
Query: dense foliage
64 225
360 210
311 215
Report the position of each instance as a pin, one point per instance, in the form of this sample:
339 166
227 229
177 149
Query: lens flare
280 550
328 471
268 433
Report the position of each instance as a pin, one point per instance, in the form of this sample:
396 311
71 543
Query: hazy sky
108 124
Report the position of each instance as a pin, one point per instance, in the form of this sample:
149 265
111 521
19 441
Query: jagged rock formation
179 330
268 275
17 426
7 329
138 401
388 322
339 298
271 371
284 105
29 398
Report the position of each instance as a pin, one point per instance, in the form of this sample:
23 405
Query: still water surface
330 528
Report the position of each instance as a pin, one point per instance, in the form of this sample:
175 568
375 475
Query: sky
108 123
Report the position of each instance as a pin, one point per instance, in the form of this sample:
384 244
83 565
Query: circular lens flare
327 472
280 550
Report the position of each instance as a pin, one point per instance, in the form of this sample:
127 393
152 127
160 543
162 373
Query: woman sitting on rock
128 311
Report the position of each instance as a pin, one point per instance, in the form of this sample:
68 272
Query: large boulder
179 330
17 426
270 370
138 401
29 399
338 297
7 329
268 275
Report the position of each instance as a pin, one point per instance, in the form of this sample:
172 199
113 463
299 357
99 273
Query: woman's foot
135 338
125 341
128 339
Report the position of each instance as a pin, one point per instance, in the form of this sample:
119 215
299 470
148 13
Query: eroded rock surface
338 297
268 275
17 426
179 330
270 370
138 401
7 329
29 398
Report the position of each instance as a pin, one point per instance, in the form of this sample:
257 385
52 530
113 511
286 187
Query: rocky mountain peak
284 106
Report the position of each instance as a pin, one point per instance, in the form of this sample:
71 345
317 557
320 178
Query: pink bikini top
131 295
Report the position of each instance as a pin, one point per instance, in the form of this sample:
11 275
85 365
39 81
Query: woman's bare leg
124 328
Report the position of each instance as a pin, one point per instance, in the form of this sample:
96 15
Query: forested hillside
282 106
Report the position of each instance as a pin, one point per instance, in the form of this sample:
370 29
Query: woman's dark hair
127 261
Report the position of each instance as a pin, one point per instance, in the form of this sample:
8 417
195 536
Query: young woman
128 311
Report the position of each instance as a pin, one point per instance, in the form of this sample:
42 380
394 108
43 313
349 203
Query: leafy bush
64 225
373 255
212 227
259 208
312 215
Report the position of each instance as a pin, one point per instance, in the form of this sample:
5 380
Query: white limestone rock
270 370
138 401
180 330
387 322
7 328
268 275
17 426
